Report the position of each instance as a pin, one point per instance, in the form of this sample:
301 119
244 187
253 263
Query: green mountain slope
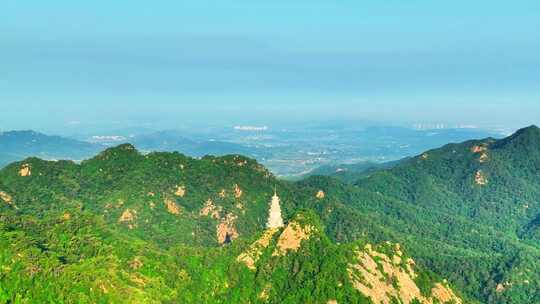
158 196
468 211
125 227
79 259
352 172
165 228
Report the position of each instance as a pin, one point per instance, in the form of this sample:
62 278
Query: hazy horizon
69 65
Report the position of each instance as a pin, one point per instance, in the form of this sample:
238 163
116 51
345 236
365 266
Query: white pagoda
274 217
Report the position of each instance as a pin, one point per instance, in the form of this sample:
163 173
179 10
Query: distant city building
439 126
106 138
429 126
251 128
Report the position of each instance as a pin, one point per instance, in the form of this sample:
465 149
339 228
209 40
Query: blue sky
171 62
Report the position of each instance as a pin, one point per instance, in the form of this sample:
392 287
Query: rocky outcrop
444 294
383 277
136 263
478 149
210 209
172 207
254 252
7 199
483 158
128 217
483 151
480 178
226 230
291 238
25 170
180 191
237 191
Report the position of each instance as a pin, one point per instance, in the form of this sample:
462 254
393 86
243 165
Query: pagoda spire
274 215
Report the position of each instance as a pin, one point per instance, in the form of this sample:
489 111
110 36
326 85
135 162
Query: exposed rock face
483 158
252 255
274 217
136 263
501 287
172 207
225 230
7 199
211 210
478 149
265 293
320 194
382 278
25 170
180 191
237 191
291 238
128 216
482 150
444 294
480 178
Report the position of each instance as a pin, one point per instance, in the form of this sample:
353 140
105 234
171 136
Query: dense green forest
352 172
166 228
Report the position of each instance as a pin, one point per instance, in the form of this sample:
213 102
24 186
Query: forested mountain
169 141
162 227
18 145
468 211
353 172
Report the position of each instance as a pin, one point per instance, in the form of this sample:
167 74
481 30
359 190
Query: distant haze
68 65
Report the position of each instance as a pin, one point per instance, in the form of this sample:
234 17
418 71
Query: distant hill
493 181
170 141
399 142
352 172
17 145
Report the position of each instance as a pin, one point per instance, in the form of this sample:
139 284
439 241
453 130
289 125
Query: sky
76 64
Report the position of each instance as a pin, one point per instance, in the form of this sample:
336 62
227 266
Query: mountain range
17 145
457 224
289 153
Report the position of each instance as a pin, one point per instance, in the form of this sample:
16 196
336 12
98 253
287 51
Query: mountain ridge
447 215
